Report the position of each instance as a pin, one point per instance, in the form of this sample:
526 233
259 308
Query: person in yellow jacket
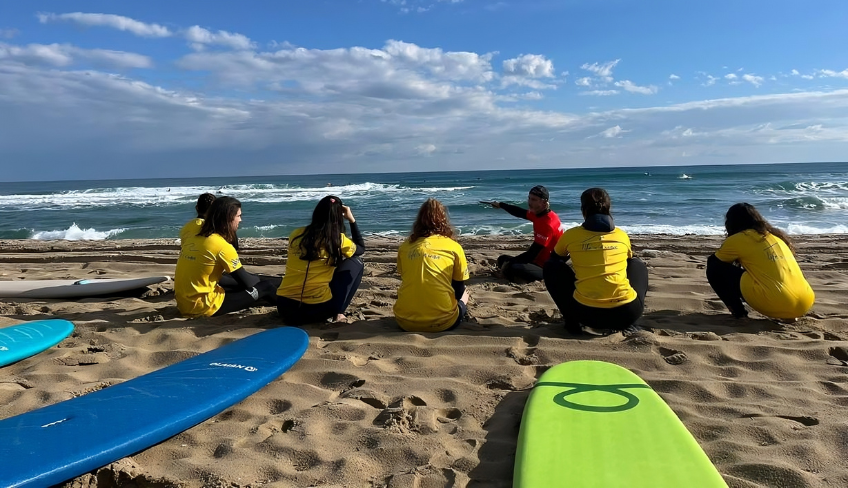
756 264
324 267
433 270
605 286
205 256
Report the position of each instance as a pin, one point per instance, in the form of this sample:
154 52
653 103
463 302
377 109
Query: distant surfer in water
547 228
756 264
205 256
324 266
433 271
605 286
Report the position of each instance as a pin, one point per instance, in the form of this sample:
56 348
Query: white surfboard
73 288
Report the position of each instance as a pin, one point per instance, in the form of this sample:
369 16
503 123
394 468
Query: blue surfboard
123 419
24 340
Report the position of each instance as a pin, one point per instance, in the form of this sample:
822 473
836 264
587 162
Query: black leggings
518 270
266 289
561 283
343 286
725 279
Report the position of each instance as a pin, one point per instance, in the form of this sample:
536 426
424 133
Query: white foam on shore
74 233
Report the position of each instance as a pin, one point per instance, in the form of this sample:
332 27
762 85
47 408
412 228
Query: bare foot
340 318
465 297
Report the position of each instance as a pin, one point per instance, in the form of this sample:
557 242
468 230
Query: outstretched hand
494 204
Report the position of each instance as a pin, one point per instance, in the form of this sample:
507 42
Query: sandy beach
369 405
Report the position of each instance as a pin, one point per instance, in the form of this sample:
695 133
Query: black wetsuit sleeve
529 255
244 278
514 211
458 288
356 237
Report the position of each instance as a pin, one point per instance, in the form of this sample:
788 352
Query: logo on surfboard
559 398
236 366
4 348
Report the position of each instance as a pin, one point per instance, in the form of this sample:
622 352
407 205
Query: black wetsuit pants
345 282
561 283
237 298
518 269
725 279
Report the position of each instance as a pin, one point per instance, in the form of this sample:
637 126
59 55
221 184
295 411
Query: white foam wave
807 229
167 196
677 230
74 233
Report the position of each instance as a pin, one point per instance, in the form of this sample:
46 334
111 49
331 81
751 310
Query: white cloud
585 81
752 79
673 77
795 72
425 149
600 93
807 77
8 33
66 55
108 20
612 132
633 88
529 65
827 73
200 37
730 76
602 71
710 79
526 69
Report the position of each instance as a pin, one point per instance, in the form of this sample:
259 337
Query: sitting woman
324 268
205 256
433 270
768 277
607 286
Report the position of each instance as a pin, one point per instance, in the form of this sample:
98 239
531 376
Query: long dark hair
432 220
219 219
595 201
324 232
743 216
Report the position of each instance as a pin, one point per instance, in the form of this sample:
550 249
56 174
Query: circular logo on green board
630 400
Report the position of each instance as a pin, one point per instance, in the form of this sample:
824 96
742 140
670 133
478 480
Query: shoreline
370 405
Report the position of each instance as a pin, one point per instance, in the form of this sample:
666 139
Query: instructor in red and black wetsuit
547 228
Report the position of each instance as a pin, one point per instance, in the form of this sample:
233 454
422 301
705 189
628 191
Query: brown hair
743 216
432 220
595 201
220 217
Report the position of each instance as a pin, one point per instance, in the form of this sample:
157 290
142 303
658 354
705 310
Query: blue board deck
21 341
126 418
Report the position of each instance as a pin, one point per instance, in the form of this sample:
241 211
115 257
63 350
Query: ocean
809 198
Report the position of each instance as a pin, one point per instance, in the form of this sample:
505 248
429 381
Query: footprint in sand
838 356
803 420
673 356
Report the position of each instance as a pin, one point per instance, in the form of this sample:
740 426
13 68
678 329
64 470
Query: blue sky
97 89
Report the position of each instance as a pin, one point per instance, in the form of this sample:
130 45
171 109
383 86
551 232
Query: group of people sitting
604 287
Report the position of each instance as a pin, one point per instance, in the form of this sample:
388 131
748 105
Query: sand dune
372 406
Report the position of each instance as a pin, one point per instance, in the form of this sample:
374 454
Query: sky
104 89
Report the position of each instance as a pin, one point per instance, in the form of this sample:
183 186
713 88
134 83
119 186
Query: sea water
810 198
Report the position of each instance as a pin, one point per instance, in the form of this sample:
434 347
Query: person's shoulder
297 232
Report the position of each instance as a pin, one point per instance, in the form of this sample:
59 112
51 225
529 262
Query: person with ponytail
324 267
756 264
547 228
605 286
433 270
209 253
192 227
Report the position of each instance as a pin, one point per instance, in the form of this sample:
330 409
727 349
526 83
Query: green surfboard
592 424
